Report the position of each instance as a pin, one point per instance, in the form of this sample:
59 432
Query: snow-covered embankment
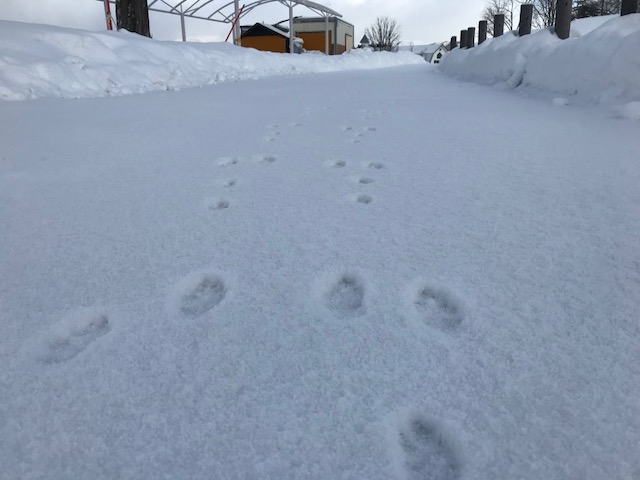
44 61
601 66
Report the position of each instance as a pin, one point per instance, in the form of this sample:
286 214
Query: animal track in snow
265 158
198 293
346 296
370 129
336 163
73 334
217 204
229 183
438 308
365 180
375 165
346 128
366 199
226 161
427 454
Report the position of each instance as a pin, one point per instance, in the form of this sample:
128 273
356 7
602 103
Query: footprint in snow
370 129
427 454
72 335
265 158
336 163
438 308
345 296
375 165
217 203
198 293
226 161
365 180
346 128
228 183
365 199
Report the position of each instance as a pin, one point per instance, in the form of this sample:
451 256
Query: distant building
432 53
309 33
268 38
312 31
364 43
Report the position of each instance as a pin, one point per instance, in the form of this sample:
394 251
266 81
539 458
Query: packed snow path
372 275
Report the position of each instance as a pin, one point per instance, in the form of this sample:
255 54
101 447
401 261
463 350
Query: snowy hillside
380 274
599 64
42 61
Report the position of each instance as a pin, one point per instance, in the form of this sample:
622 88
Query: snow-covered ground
362 274
39 61
599 64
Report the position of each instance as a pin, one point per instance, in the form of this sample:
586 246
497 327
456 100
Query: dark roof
263 30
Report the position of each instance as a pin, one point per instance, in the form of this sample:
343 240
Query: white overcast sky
421 21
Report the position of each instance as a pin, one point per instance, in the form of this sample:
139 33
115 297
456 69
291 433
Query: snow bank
599 66
44 61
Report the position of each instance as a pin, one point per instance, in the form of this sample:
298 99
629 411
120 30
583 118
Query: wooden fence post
526 17
482 31
463 39
564 9
454 43
498 24
628 7
471 37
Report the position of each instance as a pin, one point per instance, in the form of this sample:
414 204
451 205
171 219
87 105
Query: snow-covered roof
279 31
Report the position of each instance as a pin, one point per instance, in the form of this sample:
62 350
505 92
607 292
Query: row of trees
545 10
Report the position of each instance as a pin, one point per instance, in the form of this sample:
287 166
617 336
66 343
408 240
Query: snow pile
599 64
44 61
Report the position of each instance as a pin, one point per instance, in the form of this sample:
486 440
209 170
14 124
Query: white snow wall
39 61
602 66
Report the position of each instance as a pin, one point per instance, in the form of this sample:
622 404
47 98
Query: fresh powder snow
316 267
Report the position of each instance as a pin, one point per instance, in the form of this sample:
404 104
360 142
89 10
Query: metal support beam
291 34
236 27
184 30
326 34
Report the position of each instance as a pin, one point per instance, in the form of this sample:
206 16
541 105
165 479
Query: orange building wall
315 40
269 43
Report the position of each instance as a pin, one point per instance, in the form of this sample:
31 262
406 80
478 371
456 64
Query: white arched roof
223 11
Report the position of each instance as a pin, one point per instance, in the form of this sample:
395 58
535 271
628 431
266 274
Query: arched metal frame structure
227 11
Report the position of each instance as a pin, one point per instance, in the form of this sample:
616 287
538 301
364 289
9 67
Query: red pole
107 12
234 24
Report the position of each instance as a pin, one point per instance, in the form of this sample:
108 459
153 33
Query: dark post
471 37
498 24
628 7
133 15
482 31
463 39
526 17
454 43
564 9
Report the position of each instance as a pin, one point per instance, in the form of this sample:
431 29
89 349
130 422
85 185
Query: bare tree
495 7
133 15
609 7
384 34
544 13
